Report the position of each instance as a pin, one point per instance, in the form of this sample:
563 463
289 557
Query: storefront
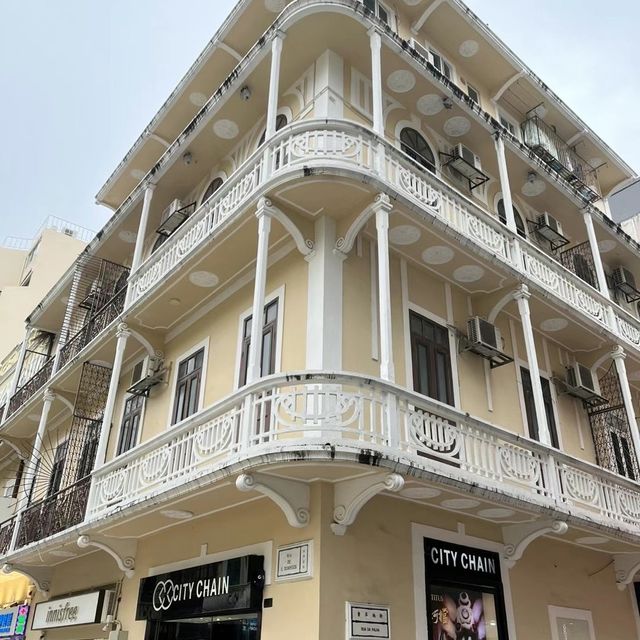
13 622
217 601
464 593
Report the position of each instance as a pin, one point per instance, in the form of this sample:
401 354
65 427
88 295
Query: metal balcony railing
6 533
29 388
54 514
305 412
579 260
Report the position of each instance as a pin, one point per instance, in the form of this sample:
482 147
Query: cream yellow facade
358 357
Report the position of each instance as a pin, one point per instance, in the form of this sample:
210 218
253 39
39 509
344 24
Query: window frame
434 51
391 17
499 197
277 294
403 126
470 87
556 612
127 398
218 176
503 115
203 344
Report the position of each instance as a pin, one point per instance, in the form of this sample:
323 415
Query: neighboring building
429 428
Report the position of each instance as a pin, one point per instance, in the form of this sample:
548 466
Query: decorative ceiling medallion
496 512
401 81
404 234
128 236
468 48
34 416
175 302
198 99
457 126
412 3
437 255
534 187
204 279
459 503
430 104
420 492
468 273
137 174
592 540
177 514
596 162
275 5
604 246
226 129
62 553
554 324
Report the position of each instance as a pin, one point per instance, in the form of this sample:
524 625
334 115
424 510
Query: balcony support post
382 207
257 319
522 296
122 334
274 81
16 374
375 42
505 186
595 252
142 230
30 469
618 355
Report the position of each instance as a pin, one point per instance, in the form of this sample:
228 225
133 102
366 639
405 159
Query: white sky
80 80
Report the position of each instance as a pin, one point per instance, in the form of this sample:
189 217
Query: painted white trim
453 344
554 395
418 533
406 327
217 174
373 278
203 380
261 548
268 299
415 123
575 614
516 362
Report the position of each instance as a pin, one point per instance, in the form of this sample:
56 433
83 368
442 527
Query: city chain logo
167 592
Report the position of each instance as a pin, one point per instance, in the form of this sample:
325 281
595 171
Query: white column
618 355
595 252
32 465
18 370
122 334
375 42
329 87
142 227
382 208
324 300
257 318
505 186
522 296
274 80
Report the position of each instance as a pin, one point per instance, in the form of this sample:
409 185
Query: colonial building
356 356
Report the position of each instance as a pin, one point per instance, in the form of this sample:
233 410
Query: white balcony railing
342 146
314 412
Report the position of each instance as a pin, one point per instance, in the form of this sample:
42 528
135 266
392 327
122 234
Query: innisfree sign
229 586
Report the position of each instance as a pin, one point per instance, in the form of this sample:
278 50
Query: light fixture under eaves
187 157
245 93
534 185
446 102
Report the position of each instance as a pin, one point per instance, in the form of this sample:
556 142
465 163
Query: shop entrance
212 628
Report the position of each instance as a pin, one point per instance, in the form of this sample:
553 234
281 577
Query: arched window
414 145
214 185
281 121
502 216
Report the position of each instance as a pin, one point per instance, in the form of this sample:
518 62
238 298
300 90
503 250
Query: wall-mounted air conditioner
623 278
171 209
466 154
483 336
547 220
581 382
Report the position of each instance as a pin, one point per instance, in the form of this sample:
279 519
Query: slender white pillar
257 318
618 355
382 208
122 334
595 252
32 465
522 296
375 42
274 81
18 370
142 227
505 186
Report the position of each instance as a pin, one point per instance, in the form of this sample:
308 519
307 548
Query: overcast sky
80 80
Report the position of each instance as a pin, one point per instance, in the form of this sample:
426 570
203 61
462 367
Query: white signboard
367 621
295 561
88 608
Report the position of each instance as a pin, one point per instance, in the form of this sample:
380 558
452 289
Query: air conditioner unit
421 49
138 372
581 382
623 279
483 337
67 232
171 209
466 154
547 220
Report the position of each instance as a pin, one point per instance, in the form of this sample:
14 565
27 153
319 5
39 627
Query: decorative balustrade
6 533
31 386
307 411
56 513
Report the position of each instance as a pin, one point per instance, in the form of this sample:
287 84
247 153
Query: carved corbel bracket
626 566
40 576
517 537
349 496
123 551
291 496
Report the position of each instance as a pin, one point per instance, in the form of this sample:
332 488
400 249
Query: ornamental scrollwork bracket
40 576
517 537
123 551
626 566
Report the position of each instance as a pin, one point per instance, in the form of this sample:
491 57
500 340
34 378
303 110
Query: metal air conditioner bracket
123 551
40 576
626 566
495 357
556 240
349 496
291 496
462 167
517 537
